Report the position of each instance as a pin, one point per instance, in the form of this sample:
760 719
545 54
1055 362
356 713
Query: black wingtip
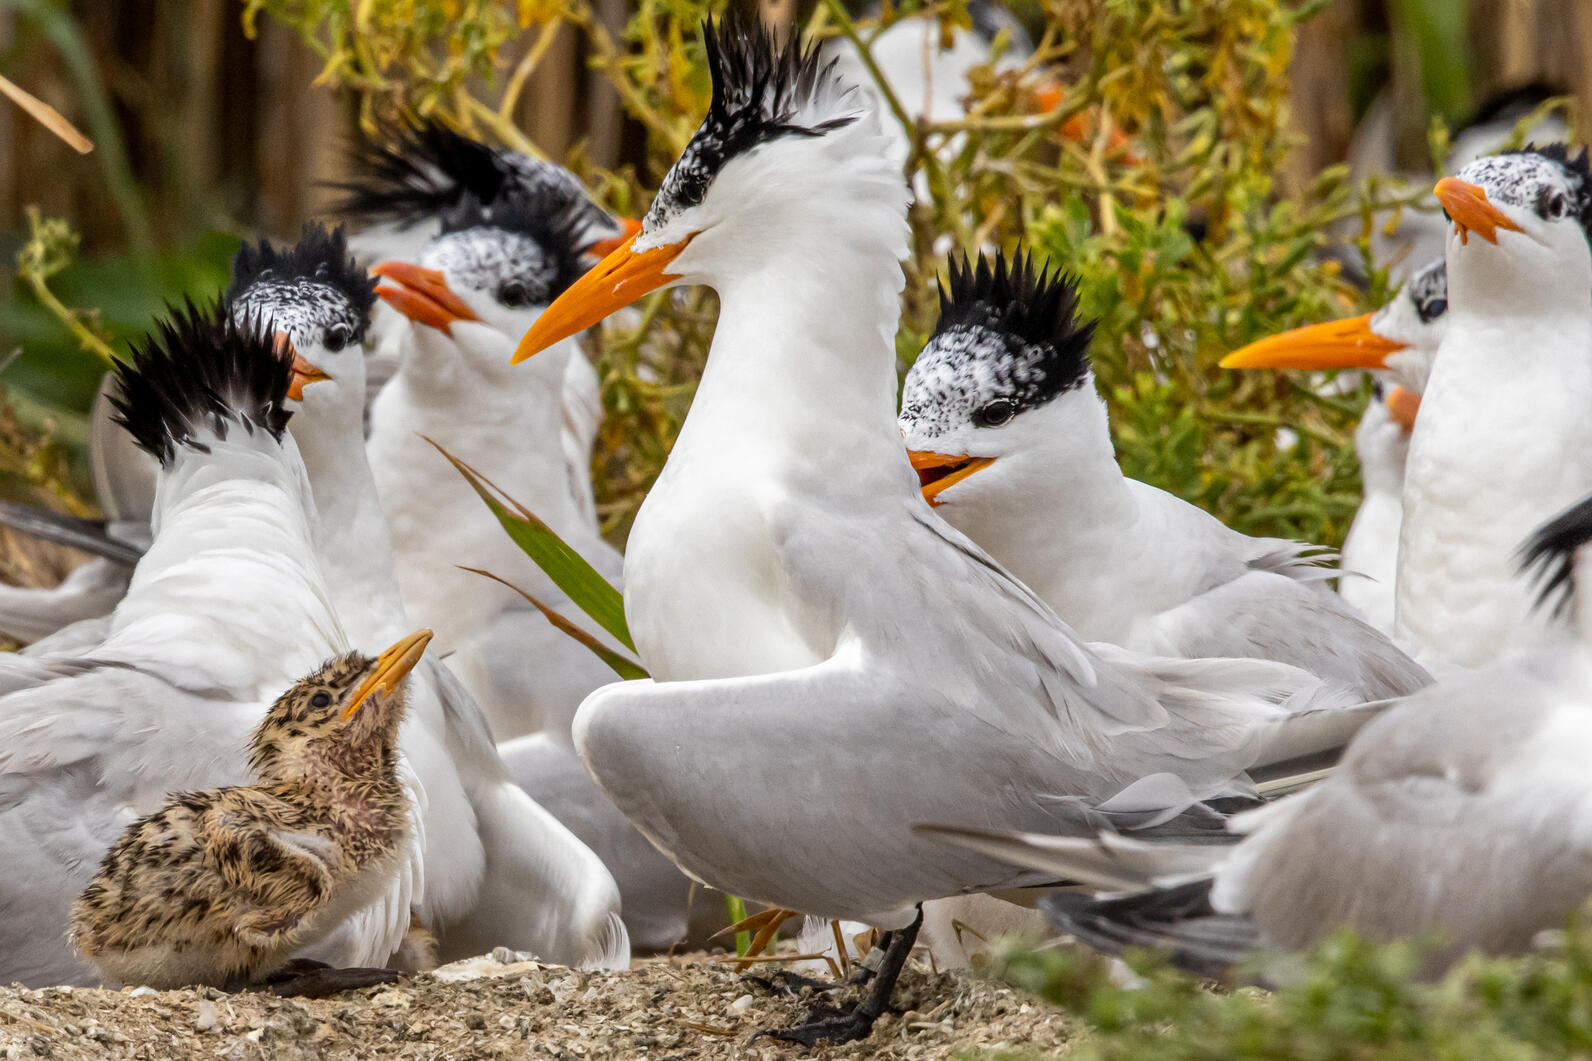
1549 555
199 372
320 256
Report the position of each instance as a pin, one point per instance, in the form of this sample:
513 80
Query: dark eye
336 337
996 413
1434 309
321 700
1558 206
513 294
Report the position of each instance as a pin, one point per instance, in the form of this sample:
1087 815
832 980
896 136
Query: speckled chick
222 886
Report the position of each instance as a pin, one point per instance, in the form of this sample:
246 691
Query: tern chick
222 886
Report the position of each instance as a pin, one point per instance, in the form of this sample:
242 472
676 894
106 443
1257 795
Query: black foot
835 1026
295 968
788 983
320 983
840 1026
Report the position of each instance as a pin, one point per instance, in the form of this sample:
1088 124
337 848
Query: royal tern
1002 419
1454 817
403 180
471 294
1397 343
222 886
499 869
789 589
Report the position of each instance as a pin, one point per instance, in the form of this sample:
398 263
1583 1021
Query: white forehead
1518 179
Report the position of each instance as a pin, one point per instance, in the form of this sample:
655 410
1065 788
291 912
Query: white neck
354 542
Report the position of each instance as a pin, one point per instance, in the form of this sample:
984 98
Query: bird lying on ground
222 886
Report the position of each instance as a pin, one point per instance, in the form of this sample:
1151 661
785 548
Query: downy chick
222 886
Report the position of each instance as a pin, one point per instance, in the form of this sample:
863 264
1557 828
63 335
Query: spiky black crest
761 86
1551 551
200 372
1028 305
406 173
320 256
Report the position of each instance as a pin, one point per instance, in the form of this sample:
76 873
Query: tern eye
1434 309
321 700
336 337
513 294
1556 206
995 413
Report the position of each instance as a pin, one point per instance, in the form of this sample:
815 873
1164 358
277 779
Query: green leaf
567 568
626 668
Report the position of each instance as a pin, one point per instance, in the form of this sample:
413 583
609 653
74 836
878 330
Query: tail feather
1178 921
1107 862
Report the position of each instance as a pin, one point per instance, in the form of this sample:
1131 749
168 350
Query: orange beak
1337 344
1470 211
391 667
612 284
304 373
938 472
423 296
607 246
1402 405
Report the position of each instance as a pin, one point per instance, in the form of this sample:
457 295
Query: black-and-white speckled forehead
306 310
1548 181
760 88
1008 332
1428 289
486 259
526 246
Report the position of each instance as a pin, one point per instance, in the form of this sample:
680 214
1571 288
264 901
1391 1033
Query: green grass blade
735 907
626 668
567 568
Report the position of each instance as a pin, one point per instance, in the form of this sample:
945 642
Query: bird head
1402 337
1517 238
1004 380
314 300
491 272
787 152
336 717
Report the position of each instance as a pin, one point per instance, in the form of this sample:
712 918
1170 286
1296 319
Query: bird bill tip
392 666
1347 343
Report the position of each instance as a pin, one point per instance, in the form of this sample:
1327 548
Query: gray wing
1457 813
90 591
86 535
1266 614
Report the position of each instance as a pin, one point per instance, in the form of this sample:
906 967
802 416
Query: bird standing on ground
222 886
1456 816
1010 438
788 587
1397 343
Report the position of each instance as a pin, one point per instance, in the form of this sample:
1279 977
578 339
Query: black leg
295 967
838 1026
319 983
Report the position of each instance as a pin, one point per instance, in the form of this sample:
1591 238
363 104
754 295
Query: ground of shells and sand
662 1008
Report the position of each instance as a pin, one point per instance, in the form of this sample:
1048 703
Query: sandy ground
661 1008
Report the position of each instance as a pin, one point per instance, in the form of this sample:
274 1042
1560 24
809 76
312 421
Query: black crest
760 86
1551 550
1512 104
200 372
1034 310
1580 173
406 173
320 256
